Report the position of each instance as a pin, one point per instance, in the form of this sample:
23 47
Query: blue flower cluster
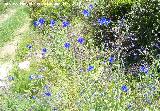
46 91
104 21
41 21
143 69
79 40
33 97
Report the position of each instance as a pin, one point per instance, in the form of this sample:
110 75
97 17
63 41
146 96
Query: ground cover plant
63 65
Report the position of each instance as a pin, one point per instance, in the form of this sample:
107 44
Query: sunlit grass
9 27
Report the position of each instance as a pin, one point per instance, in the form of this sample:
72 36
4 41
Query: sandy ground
7 15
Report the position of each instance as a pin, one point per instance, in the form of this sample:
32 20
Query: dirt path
9 13
8 53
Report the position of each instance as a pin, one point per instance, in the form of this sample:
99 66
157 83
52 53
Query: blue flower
85 13
129 106
41 21
65 23
36 23
55 109
100 22
104 21
108 21
46 87
29 46
10 78
52 23
47 93
111 59
31 77
90 68
80 40
33 97
124 88
67 45
143 69
81 70
44 50
91 6
146 70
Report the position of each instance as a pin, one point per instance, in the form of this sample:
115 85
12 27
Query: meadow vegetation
88 56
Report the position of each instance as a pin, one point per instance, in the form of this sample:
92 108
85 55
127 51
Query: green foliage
71 89
2 8
7 28
22 47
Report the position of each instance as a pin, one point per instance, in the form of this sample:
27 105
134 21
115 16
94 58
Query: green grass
4 7
9 27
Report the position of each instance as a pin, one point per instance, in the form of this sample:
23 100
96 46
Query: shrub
143 23
112 11
132 32
107 23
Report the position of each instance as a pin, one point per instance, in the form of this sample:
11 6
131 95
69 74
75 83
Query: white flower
24 65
